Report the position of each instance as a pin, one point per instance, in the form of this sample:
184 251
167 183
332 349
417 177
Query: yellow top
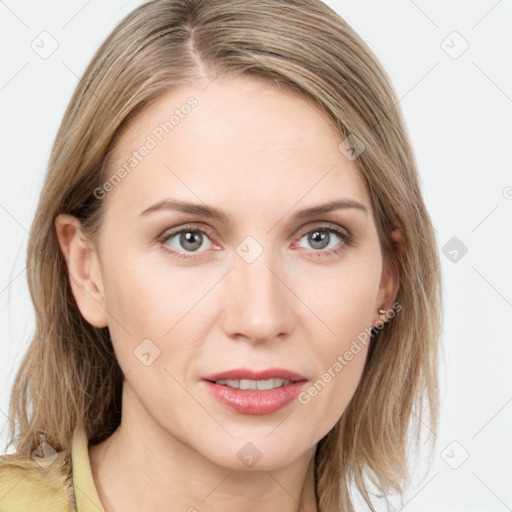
52 482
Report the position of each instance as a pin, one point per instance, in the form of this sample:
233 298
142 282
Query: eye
188 239
321 239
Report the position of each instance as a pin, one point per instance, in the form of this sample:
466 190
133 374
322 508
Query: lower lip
255 402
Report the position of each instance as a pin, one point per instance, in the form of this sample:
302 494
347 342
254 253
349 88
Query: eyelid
184 227
344 232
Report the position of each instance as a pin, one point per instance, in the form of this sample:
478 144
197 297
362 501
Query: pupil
318 237
189 237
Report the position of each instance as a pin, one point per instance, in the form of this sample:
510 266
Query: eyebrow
205 211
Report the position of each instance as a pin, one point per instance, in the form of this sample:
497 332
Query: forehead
232 137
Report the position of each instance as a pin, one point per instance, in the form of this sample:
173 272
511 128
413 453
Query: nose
259 304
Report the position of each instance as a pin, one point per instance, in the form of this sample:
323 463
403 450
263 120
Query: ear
83 269
388 288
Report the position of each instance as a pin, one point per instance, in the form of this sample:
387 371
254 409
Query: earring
381 311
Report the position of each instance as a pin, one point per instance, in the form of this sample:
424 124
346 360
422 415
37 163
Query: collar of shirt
86 494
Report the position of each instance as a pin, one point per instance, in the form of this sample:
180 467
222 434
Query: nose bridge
259 305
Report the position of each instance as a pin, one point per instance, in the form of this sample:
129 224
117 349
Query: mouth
246 379
255 392
246 384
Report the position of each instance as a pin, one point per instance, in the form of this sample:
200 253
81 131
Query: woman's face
210 261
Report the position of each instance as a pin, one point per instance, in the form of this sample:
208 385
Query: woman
236 281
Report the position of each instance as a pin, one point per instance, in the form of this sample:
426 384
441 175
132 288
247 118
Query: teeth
261 385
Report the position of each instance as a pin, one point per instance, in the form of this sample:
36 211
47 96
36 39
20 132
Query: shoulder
36 484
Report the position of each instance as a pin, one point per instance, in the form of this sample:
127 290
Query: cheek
141 292
345 305
150 331
148 299
345 299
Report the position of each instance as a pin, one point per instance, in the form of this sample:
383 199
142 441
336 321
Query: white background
458 112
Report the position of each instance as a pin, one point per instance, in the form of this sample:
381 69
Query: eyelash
345 235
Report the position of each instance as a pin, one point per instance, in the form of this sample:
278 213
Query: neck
143 467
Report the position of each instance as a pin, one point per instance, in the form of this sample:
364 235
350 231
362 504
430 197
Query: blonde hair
70 375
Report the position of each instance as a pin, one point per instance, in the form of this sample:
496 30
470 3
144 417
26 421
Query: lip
247 373
255 402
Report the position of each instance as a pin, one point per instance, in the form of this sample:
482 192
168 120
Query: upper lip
246 373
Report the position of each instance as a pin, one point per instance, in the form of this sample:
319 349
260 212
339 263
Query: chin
257 453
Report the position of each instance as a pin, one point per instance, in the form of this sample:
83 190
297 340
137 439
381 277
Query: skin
261 155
